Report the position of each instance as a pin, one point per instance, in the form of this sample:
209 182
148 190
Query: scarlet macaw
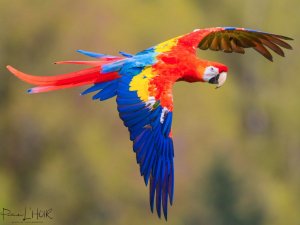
142 84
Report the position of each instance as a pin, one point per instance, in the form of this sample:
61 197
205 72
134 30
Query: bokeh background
237 149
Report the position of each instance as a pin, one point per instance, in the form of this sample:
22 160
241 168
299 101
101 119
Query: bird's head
213 73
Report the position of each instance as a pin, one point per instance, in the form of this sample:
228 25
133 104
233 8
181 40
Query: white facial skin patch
210 72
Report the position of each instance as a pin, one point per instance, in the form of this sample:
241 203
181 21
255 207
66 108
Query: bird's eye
212 69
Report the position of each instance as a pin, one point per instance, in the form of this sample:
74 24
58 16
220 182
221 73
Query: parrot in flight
142 84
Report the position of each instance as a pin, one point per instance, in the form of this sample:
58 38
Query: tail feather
90 63
93 75
74 79
100 62
96 55
41 89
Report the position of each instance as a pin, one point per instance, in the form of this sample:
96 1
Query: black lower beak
214 80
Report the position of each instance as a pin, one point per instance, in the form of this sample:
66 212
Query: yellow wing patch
140 83
167 45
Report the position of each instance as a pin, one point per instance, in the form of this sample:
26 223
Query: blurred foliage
226 199
237 149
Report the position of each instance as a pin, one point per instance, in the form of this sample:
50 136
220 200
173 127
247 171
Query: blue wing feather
94 54
105 90
134 107
125 54
151 141
95 87
151 136
149 125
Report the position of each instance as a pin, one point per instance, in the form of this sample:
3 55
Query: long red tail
78 78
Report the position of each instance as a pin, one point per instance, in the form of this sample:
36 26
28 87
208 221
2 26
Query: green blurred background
237 149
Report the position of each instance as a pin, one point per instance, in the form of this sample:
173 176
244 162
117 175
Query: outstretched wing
232 39
147 113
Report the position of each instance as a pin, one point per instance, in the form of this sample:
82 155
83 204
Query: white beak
222 79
